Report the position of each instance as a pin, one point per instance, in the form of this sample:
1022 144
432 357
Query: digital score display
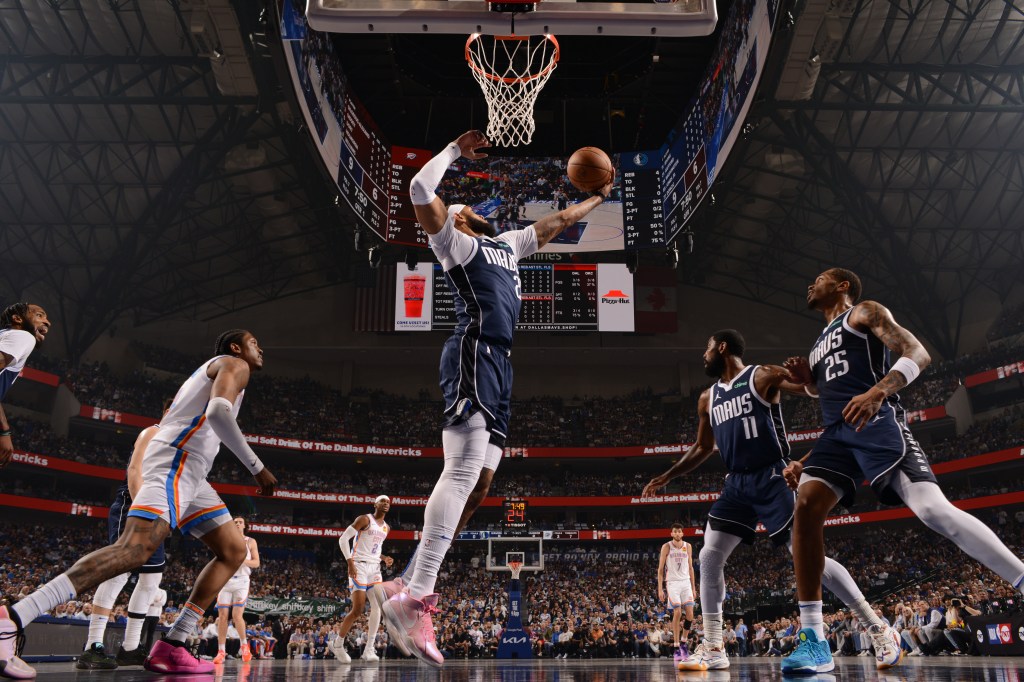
364 171
514 520
642 207
402 226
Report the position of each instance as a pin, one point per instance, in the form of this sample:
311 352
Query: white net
511 71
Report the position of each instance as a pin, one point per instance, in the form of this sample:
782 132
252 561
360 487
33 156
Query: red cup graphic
414 295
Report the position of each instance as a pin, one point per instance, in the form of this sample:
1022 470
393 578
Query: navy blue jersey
845 363
483 274
749 430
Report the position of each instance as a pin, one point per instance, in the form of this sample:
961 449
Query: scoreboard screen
568 297
513 517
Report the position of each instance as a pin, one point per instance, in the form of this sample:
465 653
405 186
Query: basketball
590 169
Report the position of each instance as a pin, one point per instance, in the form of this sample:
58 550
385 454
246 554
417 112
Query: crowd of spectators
591 600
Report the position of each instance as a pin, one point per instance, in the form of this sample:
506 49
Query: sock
810 617
133 631
371 631
57 591
464 447
97 626
713 629
222 646
186 622
862 609
410 568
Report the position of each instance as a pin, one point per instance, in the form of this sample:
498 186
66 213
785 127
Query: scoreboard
569 297
514 521
640 179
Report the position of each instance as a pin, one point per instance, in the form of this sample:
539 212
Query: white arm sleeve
421 190
345 542
218 415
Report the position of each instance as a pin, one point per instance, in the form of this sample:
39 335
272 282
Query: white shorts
175 489
235 593
679 593
367 574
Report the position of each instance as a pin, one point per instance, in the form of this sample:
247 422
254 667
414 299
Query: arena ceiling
150 164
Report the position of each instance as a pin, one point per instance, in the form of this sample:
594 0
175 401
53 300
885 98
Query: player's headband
381 497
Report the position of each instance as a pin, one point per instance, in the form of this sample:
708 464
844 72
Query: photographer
957 632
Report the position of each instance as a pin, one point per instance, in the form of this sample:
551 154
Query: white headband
381 497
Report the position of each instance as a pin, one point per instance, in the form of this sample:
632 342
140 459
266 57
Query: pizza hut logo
615 296
1005 636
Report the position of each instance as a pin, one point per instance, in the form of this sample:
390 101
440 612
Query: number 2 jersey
845 363
749 430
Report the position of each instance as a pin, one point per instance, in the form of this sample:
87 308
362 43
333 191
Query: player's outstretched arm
431 212
550 226
913 359
693 457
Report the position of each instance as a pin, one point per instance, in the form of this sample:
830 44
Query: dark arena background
171 169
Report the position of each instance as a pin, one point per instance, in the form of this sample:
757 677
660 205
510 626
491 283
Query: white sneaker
370 655
886 643
10 640
714 659
692 661
339 652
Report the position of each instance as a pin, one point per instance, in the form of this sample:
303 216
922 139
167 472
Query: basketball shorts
115 526
844 457
679 593
752 496
234 593
477 377
175 489
367 575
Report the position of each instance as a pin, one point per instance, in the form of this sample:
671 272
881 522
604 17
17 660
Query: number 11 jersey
749 430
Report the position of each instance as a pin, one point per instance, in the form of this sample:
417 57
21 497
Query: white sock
97 626
186 622
138 604
371 631
810 617
464 448
713 629
49 596
410 568
222 646
862 609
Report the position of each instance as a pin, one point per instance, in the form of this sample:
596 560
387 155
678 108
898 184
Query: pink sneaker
164 657
410 623
380 593
11 640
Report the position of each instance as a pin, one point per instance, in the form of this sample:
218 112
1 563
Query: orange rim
504 79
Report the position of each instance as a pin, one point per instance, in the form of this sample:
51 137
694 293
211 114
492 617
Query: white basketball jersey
677 565
369 541
184 426
243 570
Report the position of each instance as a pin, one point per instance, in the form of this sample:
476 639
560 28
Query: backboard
680 18
529 551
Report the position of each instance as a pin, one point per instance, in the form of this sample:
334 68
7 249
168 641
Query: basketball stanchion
511 70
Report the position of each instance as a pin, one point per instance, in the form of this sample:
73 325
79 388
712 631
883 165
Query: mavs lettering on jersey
487 292
845 363
748 430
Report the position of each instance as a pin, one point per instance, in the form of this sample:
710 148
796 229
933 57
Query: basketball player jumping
852 372
146 595
741 412
22 326
677 582
476 374
232 597
174 494
363 557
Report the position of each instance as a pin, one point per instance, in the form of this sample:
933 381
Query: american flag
375 299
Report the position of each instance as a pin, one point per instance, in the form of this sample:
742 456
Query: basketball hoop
515 567
511 71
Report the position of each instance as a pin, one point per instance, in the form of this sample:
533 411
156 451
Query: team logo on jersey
615 296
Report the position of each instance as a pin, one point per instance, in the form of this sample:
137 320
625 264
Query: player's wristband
908 368
8 432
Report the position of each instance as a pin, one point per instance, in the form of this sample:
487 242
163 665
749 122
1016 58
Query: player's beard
481 226
716 367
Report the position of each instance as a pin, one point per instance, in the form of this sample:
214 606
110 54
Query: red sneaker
411 625
10 641
164 657
220 657
246 654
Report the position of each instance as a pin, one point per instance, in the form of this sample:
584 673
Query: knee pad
711 559
156 607
687 624
106 593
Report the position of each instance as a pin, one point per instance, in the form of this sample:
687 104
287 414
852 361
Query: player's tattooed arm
693 457
875 317
550 226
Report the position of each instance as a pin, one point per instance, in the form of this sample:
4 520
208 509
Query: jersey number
749 427
519 288
836 365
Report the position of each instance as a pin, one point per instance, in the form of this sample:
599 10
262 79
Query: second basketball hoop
511 70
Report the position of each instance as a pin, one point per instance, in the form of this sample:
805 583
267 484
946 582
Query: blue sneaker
810 656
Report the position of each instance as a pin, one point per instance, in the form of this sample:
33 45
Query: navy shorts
477 376
885 447
753 496
115 525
